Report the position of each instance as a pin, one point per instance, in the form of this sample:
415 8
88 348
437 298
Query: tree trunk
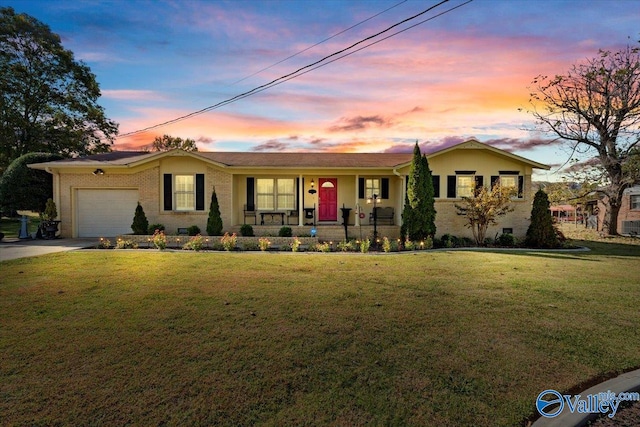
611 217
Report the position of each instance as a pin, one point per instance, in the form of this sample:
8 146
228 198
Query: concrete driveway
16 248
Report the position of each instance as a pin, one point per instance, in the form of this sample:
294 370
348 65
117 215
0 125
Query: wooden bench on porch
384 215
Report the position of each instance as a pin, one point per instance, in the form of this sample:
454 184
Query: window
635 202
275 194
185 192
508 182
372 186
465 186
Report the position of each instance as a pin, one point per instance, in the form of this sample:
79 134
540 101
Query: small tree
50 210
418 215
214 222
140 223
541 233
484 208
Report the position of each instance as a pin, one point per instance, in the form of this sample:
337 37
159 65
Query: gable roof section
476 145
226 159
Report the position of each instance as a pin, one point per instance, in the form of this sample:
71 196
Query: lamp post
375 200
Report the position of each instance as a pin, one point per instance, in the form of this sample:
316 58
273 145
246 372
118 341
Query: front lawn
426 338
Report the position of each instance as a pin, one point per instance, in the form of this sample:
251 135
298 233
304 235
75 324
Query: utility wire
308 68
319 43
269 86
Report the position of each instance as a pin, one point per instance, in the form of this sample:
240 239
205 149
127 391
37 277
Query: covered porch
324 201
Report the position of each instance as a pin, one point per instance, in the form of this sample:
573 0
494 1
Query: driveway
15 248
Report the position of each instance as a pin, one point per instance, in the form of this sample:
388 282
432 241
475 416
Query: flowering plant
159 239
264 243
295 244
229 241
195 243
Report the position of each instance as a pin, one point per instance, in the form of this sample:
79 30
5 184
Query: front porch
325 232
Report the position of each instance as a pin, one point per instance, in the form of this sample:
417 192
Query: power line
310 67
319 43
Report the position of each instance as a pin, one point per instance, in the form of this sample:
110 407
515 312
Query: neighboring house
97 195
628 216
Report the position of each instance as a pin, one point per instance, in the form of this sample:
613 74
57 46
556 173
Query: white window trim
176 192
274 195
372 186
458 186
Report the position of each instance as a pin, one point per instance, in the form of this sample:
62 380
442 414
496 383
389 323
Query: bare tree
595 108
484 209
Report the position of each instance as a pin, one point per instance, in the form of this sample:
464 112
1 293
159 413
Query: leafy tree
48 100
214 222
22 188
541 233
168 142
483 209
418 215
140 223
595 108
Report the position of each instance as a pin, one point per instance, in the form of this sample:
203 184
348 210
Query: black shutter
360 188
297 192
199 191
479 182
436 185
494 180
451 186
168 192
384 188
520 186
251 205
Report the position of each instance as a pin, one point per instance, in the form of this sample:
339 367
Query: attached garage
105 212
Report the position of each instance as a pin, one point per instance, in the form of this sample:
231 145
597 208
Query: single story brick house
97 195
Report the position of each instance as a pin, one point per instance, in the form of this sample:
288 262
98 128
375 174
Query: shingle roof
322 160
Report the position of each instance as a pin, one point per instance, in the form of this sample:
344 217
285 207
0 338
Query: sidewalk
12 248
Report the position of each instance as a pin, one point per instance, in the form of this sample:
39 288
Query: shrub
465 242
104 243
506 239
541 233
427 243
229 241
246 230
386 244
345 246
409 245
250 246
364 246
155 227
448 241
264 243
322 247
285 232
50 211
126 244
195 243
295 244
140 223
159 240
194 230
214 221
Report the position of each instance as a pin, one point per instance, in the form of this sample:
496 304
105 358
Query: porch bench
384 215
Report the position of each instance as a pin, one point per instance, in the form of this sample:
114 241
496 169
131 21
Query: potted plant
49 223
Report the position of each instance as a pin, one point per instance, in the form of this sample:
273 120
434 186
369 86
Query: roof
270 160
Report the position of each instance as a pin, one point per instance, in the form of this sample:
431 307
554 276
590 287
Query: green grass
431 338
11 226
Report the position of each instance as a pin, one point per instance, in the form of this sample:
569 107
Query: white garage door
105 213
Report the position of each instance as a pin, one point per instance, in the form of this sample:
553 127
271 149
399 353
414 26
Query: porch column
403 192
300 199
357 207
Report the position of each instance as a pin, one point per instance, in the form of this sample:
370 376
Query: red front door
328 199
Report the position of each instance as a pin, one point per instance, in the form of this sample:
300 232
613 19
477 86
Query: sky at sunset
461 75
